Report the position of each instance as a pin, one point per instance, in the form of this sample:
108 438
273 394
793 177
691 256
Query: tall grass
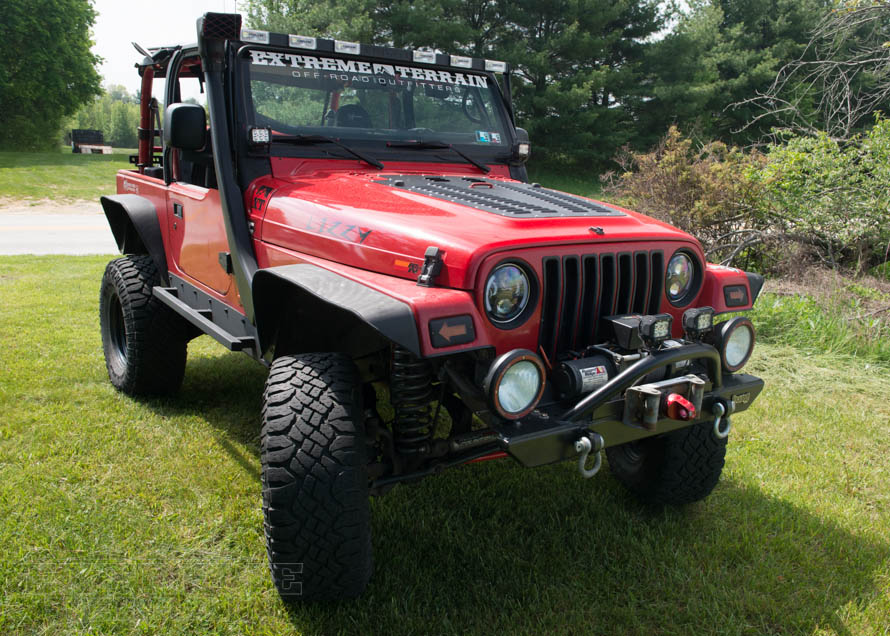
830 325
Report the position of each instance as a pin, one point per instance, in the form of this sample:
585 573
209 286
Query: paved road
55 234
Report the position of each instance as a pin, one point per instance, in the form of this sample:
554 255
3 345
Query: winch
583 375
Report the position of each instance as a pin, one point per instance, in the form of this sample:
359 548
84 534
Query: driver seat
353 116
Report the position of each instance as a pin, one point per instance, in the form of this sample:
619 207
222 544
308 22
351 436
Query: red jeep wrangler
358 219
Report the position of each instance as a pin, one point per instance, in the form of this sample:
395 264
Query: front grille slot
641 282
587 317
609 280
579 291
550 309
571 291
657 282
625 284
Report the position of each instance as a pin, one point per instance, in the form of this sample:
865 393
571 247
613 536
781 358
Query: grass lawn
59 176
63 176
119 516
575 181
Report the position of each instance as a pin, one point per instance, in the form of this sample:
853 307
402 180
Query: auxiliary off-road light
461 62
260 136
514 383
254 36
633 331
655 329
426 57
735 342
302 42
698 321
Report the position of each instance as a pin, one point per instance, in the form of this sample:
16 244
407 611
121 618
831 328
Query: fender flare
390 317
136 229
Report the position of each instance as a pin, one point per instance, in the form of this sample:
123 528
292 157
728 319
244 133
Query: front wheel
315 483
144 341
675 468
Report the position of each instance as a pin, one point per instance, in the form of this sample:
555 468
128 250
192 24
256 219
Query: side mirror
522 150
185 126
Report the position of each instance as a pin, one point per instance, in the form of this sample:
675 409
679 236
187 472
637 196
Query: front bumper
549 434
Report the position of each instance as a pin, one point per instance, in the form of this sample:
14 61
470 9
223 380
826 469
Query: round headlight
514 383
682 278
736 340
507 292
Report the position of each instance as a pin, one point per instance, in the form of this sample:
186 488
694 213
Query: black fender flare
134 223
388 316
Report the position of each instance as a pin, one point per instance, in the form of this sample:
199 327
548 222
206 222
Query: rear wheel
315 482
144 341
675 468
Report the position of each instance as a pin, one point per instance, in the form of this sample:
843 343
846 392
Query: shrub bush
832 196
704 189
831 200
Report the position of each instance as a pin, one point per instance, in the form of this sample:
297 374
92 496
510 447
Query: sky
154 23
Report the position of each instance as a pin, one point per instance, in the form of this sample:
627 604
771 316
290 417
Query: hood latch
432 265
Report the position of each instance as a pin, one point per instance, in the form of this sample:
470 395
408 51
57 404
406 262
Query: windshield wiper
420 144
321 139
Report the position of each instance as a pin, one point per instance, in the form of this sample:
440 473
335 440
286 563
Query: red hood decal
359 219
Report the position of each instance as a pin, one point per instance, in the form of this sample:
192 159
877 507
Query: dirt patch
46 206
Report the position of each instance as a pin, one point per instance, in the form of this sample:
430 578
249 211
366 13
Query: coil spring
411 393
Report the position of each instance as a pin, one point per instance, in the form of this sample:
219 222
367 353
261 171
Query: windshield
363 100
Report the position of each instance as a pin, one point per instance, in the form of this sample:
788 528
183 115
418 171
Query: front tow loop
586 444
722 423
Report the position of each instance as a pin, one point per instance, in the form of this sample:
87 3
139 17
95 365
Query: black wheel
676 468
144 341
315 482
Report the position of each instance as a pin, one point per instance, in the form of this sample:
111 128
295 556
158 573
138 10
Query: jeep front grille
578 291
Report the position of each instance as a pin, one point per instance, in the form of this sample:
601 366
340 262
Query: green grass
120 516
59 176
63 176
837 324
574 181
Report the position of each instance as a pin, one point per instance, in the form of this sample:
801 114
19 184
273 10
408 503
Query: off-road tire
145 342
674 469
315 483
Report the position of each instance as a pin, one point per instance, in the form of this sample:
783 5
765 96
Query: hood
384 221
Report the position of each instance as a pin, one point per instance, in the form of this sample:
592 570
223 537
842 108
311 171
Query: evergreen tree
722 53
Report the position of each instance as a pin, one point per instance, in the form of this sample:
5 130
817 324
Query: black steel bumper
549 434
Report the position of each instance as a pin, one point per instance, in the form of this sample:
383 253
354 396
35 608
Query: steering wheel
464 107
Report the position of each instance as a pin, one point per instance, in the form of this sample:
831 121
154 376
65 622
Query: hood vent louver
506 198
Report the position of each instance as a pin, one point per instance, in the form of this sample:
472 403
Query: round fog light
736 342
514 384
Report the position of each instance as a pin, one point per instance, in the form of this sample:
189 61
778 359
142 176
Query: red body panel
200 205
333 214
318 208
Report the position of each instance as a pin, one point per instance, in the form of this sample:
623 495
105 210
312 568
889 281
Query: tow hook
722 423
586 444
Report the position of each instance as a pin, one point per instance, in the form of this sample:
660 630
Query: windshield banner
334 68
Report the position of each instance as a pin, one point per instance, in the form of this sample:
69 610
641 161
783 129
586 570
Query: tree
115 113
343 19
721 53
841 80
48 70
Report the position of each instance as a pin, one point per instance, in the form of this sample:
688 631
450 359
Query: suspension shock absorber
411 394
